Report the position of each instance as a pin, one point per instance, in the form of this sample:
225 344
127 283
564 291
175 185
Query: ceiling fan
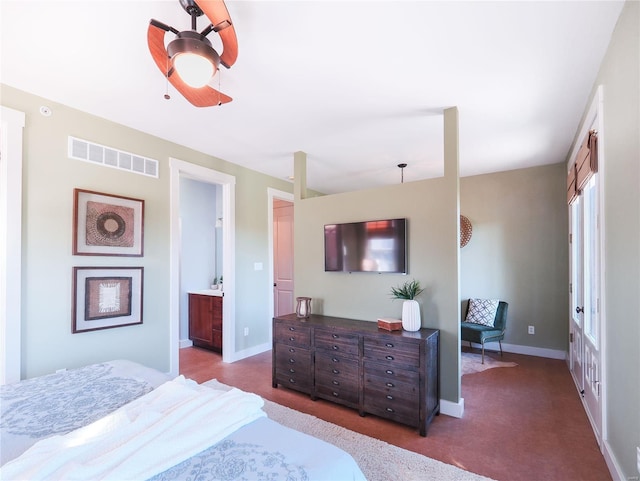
189 61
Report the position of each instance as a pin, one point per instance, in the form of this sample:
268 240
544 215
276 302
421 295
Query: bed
120 420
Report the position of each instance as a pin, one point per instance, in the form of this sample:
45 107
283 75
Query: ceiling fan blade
199 97
155 40
217 13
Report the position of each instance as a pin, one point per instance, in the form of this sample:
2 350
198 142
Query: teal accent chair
480 334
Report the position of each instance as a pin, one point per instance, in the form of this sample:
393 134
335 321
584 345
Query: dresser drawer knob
291 360
335 336
292 349
389 358
390 384
335 382
388 344
292 370
335 359
292 328
389 397
335 371
335 348
292 381
390 410
335 394
389 371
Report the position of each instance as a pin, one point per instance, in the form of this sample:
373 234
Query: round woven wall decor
465 231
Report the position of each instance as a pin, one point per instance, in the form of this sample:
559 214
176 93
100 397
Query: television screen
371 246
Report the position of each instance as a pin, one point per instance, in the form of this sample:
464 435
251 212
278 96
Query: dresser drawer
298 382
293 367
291 356
293 334
390 372
337 372
392 390
348 395
335 365
392 351
391 399
391 409
336 341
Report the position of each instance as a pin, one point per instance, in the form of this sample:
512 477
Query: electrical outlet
246 331
532 330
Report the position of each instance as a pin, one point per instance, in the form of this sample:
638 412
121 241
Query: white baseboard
612 463
252 351
185 343
449 408
527 350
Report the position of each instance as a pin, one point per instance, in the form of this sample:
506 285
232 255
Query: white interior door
585 326
577 291
591 301
283 301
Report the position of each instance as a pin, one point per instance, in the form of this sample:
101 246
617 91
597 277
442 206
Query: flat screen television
370 246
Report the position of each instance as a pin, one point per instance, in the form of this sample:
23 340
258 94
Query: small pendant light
402 166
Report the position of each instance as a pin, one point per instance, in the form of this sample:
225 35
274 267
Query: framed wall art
106 297
107 225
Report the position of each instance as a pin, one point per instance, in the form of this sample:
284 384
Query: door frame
179 168
595 119
271 195
12 125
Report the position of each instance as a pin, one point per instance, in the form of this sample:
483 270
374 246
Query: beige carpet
472 363
378 460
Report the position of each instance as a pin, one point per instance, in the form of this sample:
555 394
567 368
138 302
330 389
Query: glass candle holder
303 309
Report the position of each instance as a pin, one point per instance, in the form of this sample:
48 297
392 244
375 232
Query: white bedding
139 440
58 403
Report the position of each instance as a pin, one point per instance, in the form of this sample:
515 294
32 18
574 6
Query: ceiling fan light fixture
193 58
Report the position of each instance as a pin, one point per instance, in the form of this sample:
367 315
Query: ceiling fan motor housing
191 41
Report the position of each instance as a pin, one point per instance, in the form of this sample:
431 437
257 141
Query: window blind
583 167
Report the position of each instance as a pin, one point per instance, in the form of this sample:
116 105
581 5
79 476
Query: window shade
583 167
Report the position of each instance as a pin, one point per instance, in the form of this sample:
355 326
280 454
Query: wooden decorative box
390 324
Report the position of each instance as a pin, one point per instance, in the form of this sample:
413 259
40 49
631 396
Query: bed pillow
482 311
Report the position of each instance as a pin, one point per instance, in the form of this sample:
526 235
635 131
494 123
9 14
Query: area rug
472 363
378 460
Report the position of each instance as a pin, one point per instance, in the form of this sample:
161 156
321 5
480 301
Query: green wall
519 250
49 178
431 208
620 77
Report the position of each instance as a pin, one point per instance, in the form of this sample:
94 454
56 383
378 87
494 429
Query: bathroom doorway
179 171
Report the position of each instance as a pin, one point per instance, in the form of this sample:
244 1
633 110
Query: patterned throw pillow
482 311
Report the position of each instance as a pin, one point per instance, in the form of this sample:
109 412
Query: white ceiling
359 86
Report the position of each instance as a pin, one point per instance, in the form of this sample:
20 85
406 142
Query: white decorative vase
411 315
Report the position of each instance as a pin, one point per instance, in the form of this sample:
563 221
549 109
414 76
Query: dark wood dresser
393 375
205 321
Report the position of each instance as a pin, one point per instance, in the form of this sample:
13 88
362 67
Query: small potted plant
410 308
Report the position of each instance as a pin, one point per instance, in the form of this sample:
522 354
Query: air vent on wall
109 157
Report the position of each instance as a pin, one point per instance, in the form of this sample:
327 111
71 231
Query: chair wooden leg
482 352
500 342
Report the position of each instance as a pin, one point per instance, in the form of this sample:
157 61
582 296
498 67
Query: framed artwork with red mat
107 225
